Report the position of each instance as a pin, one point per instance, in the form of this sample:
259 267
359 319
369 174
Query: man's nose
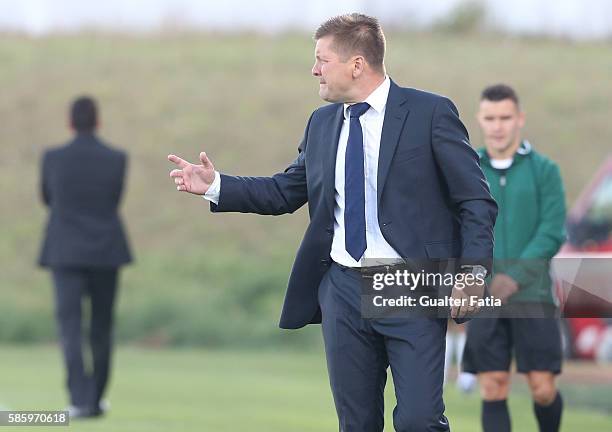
316 71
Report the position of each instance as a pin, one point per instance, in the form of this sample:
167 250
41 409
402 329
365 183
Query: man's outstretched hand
195 179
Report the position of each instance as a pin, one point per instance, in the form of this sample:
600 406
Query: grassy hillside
202 278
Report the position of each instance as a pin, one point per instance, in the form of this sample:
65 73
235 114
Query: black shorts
490 341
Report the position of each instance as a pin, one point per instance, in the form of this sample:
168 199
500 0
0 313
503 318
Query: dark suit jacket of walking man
400 155
84 245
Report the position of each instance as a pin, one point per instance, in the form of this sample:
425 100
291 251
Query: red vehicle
583 268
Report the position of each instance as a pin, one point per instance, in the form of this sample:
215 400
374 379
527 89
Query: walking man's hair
499 92
84 114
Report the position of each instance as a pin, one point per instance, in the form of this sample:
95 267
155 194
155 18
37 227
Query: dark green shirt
530 224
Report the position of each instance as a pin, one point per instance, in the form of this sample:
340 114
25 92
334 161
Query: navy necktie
354 185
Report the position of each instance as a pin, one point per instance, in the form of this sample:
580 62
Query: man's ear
358 66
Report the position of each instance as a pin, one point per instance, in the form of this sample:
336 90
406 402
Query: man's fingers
177 160
176 173
456 305
205 161
461 311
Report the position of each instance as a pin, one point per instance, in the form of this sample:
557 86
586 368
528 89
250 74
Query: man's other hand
468 295
195 179
503 286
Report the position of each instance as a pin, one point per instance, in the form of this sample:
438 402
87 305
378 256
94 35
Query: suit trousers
86 385
359 351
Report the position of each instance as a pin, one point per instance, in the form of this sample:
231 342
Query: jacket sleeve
282 193
550 234
467 187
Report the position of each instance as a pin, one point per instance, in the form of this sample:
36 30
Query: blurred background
197 312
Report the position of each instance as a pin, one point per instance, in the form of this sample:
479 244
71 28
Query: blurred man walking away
84 246
529 231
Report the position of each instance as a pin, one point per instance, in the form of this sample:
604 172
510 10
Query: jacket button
325 262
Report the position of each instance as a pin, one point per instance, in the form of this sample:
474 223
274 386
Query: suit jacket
81 183
433 199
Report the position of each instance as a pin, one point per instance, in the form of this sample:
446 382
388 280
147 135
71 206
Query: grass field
227 390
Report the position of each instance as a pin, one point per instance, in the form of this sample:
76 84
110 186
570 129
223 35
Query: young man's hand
503 286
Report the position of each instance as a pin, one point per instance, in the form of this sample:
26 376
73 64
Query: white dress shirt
371 125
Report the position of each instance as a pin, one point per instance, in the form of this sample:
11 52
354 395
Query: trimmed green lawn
224 390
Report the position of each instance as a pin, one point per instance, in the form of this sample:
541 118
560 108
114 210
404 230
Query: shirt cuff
213 192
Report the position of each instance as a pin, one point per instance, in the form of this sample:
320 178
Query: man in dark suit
84 246
388 173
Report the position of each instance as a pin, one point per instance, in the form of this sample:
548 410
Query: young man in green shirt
529 231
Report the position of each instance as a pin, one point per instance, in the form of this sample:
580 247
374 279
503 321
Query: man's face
501 123
335 75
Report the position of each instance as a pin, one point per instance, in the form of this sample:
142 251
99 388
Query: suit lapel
396 113
330 146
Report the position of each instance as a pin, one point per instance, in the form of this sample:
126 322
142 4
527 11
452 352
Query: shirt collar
377 99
